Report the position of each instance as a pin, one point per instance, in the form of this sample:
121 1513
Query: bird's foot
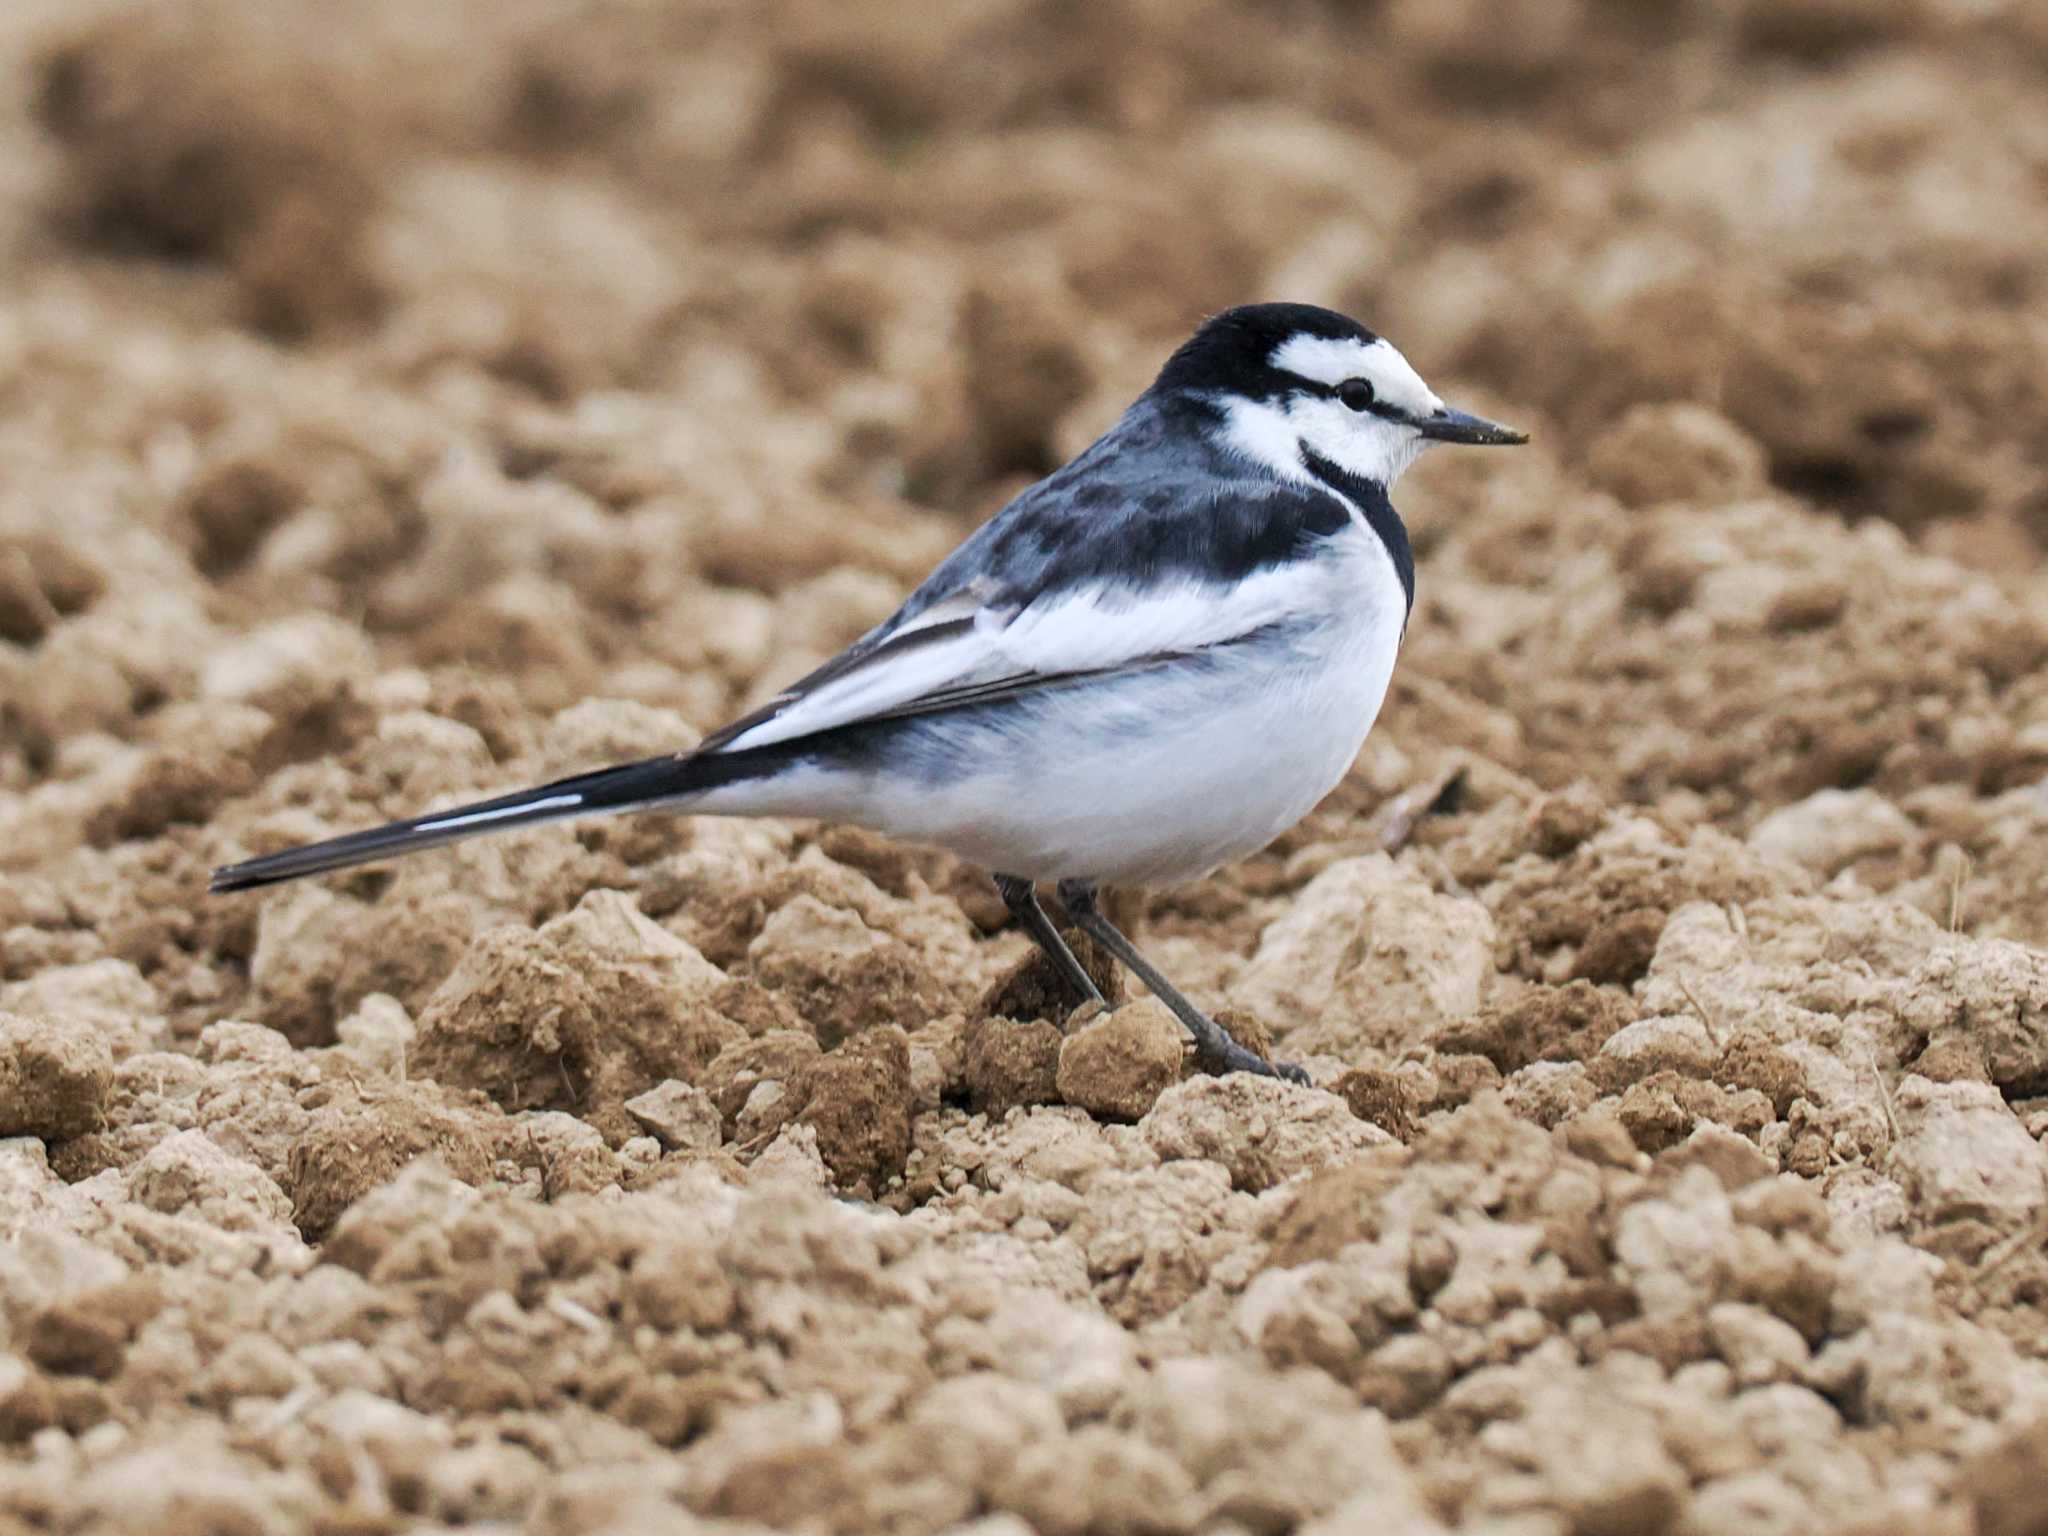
1224 1054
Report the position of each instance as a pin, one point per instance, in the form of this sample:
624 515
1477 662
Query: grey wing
891 651
1097 569
997 650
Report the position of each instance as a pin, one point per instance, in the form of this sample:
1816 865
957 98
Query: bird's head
1290 384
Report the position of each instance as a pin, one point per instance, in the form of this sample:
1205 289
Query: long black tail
624 787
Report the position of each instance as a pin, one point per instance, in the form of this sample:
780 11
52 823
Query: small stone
26 1402
1759 1347
1600 1136
2003 1485
482 1484
1381 1098
1097 1479
1831 829
1962 1154
1618 949
598 1005
1405 1375
1673 1043
572 1157
766 1111
1568 1023
1366 956
1118 1066
189 1173
1264 1130
1550 1092
88 1334
675 1283
737 1072
857 1099
54 1078
1604 1467
249 1365
842 976
1754 1503
1455 1080
1754 1060
1733 1159
105 1000
1952 1059
349 1147
683 1116
1990 992
378 1034
1559 822
1011 1062
928 1078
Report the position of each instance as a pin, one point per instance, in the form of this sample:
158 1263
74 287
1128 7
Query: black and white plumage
1148 664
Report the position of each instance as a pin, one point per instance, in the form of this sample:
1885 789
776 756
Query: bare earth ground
399 402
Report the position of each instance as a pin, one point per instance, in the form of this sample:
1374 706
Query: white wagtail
1150 663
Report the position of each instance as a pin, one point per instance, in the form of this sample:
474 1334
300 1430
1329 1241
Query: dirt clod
680 1114
1119 1064
1008 1063
2003 1484
401 404
355 1144
857 1099
595 1006
200 135
1032 988
54 1080
1568 1023
1380 1098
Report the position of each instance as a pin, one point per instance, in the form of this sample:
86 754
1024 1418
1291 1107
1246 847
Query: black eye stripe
1377 407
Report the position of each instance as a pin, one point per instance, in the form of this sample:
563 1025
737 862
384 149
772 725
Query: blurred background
652 349
952 236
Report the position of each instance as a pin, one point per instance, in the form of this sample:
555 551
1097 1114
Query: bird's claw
1229 1056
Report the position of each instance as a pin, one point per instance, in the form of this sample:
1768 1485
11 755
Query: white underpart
1158 775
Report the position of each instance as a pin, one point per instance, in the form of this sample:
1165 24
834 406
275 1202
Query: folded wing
978 645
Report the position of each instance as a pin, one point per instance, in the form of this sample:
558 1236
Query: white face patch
1274 433
1331 360
1375 447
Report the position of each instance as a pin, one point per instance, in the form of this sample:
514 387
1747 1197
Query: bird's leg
1021 898
1214 1048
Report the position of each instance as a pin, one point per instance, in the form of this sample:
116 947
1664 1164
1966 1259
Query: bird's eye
1356 394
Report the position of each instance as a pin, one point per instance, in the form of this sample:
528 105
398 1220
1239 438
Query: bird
1145 666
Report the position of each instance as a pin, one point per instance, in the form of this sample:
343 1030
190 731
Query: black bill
1449 426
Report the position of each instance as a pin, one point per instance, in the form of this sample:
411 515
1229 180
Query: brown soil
469 393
